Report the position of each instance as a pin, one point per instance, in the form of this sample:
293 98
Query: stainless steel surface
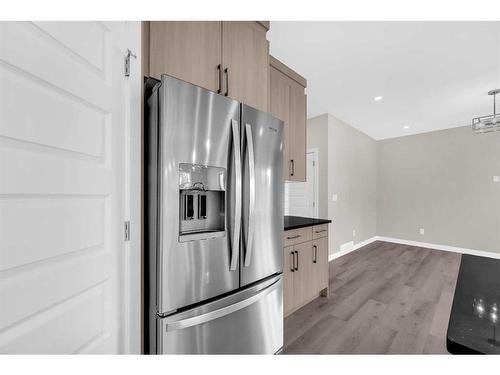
201 177
202 201
235 245
267 215
251 197
194 128
247 322
215 263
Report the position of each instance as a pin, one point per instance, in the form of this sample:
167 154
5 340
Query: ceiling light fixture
491 123
378 98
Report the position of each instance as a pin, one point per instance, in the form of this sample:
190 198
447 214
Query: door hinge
127 62
126 233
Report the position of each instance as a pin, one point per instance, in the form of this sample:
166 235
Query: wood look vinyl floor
384 299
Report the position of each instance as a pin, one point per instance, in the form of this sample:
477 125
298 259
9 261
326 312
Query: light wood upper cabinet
187 50
297 133
288 103
280 108
245 57
231 58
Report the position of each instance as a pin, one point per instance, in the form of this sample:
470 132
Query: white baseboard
355 247
452 249
426 245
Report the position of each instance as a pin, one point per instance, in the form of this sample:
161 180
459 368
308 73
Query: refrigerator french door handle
251 206
235 246
212 315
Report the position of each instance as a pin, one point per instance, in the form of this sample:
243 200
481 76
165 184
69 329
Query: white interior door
61 187
301 197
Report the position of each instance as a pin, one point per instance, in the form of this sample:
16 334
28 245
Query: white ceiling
432 75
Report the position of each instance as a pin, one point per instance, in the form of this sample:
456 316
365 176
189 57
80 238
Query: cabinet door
280 108
288 274
245 55
191 51
320 264
303 273
297 133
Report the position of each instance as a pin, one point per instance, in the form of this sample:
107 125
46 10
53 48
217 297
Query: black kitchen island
474 327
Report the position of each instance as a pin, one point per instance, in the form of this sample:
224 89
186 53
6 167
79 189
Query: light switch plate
496 178
334 197
422 231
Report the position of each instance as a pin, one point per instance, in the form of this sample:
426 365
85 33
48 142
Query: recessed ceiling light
406 127
378 98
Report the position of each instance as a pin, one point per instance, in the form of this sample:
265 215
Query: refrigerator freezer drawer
248 322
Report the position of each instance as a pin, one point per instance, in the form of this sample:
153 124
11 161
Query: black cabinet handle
292 166
293 262
219 69
315 258
297 265
293 237
321 231
227 81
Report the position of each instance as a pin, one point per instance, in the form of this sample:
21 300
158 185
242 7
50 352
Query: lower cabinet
305 267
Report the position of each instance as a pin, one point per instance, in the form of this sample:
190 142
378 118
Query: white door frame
132 280
315 152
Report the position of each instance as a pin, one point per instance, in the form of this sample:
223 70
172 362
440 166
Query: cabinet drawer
319 231
295 236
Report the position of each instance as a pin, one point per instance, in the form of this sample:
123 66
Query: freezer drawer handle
251 206
212 315
297 264
235 246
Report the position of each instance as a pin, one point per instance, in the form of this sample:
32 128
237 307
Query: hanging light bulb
485 124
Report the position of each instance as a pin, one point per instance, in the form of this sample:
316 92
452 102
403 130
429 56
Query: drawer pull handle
293 237
321 231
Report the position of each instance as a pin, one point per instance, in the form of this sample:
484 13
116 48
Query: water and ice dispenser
202 192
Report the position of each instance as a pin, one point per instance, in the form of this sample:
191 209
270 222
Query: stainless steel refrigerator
214 224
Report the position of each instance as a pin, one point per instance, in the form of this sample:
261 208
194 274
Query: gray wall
443 182
317 137
352 173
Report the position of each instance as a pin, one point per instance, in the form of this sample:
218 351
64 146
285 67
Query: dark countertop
474 325
294 222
